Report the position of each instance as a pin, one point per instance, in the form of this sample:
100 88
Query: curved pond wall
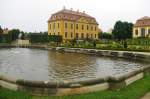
79 87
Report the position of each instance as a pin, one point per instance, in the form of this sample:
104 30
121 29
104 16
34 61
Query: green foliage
6 38
44 38
14 34
122 30
55 38
1 30
38 38
105 36
139 41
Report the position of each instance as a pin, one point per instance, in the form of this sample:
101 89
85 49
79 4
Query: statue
21 36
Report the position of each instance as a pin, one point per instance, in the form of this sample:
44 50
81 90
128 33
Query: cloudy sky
32 15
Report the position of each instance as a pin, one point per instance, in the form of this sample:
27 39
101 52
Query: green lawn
133 91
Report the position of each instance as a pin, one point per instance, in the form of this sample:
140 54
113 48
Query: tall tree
122 30
14 34
1 30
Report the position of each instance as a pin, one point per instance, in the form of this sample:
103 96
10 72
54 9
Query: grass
133 91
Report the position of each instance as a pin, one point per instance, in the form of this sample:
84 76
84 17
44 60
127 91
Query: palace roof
144 21
71 15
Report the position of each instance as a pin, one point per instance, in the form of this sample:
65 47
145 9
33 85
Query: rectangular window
50 26
87 27
65 34
91 35
58 33
49 33
143 32
76 26
65 25
148 31
58 25
82 27
77 35
95 28
54 25
71 35
82 35
87 35
136 32
71 26
91 27
54 33
95 35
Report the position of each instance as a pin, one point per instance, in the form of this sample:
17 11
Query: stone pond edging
78 87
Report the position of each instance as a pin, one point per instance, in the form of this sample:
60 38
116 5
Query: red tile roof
71 15
144 21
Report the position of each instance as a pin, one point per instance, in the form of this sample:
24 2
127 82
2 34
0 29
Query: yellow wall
80 22
147 34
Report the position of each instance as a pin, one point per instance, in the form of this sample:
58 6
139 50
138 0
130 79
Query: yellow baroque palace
73 25
142 27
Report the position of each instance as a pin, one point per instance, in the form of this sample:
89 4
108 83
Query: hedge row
44 38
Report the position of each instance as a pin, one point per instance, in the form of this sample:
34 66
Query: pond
44 65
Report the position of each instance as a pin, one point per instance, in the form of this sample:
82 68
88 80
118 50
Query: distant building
73 25
142 27
5 31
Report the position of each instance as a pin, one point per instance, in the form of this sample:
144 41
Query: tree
122 30
105 35
14 34
1 32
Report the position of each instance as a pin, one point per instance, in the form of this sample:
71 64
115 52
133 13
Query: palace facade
73 25
142 27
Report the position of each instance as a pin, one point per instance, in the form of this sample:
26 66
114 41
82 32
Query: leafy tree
105 35
14 34
1 32
122 30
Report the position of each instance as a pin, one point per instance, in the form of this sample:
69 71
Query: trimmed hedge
44 38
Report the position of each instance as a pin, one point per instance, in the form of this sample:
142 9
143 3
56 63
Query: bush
44 38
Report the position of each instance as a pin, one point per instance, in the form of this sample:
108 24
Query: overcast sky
32 15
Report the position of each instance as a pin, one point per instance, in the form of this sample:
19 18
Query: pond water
43 65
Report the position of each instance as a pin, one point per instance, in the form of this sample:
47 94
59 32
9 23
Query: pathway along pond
43 65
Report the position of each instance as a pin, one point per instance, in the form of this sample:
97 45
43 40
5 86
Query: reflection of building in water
71 65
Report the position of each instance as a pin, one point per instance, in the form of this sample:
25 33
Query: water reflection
34 64
71 66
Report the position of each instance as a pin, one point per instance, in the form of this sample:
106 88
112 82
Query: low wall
79 87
